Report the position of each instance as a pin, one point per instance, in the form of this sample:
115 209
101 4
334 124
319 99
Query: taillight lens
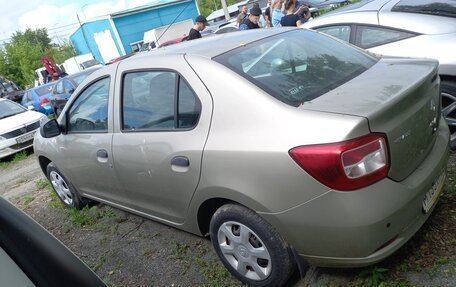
347 165
44 101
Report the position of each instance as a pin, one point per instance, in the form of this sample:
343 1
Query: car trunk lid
399 97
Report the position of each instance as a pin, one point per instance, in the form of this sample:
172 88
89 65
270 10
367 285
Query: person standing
251 22
200 25
267 15
290 19
242 15
277 13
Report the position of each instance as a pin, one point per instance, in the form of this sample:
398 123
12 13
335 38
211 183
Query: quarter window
59 87
340 32
369 36
89 112
158 100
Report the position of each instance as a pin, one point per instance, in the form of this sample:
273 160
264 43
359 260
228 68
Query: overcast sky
58 16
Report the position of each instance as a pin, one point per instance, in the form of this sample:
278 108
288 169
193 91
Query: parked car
309 149
64 87
31 256
37 98
9 90
173 41
402 28
17 127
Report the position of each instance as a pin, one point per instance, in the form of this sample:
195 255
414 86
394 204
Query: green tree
22 55
206 7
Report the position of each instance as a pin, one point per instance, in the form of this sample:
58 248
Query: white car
403 28
17 127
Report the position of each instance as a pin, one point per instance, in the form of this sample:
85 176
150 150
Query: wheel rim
449 113
244 250
61 187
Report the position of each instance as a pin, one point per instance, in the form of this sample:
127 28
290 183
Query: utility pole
83 34
225 10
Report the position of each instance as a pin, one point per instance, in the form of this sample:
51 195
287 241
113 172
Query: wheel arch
44 162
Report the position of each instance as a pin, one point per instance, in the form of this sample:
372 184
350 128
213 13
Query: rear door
160 134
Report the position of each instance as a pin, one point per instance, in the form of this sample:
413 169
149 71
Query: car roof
378 12
214 45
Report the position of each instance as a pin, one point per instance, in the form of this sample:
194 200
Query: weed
212 270
179 249
41 183
375 276
81 217
28 198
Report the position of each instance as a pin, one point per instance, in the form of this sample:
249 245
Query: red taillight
43 101
347 165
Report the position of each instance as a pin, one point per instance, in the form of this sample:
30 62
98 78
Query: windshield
298 66
441 8
8 109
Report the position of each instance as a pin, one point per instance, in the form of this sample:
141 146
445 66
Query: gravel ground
127 250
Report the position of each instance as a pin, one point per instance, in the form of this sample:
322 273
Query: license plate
433 194
25 138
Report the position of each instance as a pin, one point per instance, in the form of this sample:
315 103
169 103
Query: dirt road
127 250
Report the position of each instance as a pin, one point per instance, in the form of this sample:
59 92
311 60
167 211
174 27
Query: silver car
285 146
404 28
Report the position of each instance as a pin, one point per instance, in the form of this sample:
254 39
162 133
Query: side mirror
70 91
50 129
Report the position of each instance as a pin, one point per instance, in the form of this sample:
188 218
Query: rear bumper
350 229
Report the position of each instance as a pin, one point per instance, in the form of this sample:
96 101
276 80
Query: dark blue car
38 98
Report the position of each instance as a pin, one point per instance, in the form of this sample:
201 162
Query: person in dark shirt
291 18
251 22
200 25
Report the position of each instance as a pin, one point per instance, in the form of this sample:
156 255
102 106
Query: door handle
180 161
102 153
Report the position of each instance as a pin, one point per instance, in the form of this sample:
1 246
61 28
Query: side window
90 110
68 87
340 32
151 99
189 107
368 36
59 87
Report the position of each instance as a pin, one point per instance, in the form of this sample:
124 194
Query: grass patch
179 249
27 199
216 274
42 183
89 216
375 276
17 158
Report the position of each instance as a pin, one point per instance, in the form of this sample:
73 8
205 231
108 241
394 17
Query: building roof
154 5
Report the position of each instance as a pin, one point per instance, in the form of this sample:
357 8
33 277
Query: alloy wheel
61 187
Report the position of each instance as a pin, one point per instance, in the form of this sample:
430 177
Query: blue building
121 33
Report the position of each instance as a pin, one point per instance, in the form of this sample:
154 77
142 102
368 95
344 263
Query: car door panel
145 161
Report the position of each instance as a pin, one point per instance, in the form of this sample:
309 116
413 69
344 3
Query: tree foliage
206 7
22 55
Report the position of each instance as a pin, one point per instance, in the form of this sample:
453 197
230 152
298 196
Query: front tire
249 247
64 189
449 108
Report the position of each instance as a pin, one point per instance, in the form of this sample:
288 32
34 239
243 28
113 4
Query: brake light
347 165
44 101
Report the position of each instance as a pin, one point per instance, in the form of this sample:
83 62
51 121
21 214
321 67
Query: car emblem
23 130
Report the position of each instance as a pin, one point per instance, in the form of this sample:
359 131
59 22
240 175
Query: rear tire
64 189
250 248
449 108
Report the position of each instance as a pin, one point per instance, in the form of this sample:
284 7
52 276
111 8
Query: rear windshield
441 8
297 66
41 91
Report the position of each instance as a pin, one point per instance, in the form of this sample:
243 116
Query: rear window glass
441 8
298 66
41 91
